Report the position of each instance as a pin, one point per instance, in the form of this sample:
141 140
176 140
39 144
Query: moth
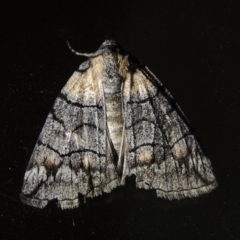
114 118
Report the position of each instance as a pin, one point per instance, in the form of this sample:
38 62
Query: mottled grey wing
72 154
161 150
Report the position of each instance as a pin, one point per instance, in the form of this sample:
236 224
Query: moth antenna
80 54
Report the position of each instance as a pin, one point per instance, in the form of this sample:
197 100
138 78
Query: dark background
192 46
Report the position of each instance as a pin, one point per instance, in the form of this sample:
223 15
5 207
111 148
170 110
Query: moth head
108 43
110 46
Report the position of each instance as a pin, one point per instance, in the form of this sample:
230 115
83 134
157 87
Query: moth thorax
112 82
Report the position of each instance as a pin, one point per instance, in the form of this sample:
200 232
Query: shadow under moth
112 119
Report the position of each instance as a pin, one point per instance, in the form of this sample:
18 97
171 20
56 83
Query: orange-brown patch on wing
146 155
141 87
97 69
138 89
40 161
52 162
123 65
88 162
180 150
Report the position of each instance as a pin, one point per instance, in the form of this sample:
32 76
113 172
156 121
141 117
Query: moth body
112 87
